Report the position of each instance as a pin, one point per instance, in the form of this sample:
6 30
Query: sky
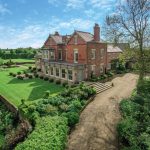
27 23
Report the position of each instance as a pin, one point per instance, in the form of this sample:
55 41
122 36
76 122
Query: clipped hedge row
50 134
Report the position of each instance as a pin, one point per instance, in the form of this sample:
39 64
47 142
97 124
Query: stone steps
99 87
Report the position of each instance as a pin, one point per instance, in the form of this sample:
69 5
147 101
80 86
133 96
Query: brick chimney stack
57 33
96 32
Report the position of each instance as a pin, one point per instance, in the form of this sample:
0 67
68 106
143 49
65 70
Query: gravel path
96 129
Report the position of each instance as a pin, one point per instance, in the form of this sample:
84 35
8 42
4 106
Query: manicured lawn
31 89
20 60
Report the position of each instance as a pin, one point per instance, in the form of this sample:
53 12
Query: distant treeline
25 53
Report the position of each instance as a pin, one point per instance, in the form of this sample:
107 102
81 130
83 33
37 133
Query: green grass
20 60
31 90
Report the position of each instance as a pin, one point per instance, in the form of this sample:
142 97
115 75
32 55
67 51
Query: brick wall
99 59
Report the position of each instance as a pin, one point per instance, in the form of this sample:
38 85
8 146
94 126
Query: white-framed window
76 39
63 73
75 56
52 55
101 68
52 71
93 53
93 69
45 54
46 70
60 54
70 76
102 53
57 72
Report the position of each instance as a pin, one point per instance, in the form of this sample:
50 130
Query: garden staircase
99 87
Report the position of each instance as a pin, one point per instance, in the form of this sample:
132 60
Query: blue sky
25 23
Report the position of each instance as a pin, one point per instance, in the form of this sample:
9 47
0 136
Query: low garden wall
24 126
10 106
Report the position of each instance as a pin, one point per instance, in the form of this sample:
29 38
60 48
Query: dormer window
75 39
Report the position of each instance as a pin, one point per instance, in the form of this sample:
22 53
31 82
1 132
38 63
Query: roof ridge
84 32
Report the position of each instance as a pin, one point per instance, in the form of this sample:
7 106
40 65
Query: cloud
75 4
34 35
103 4
54 2
4 10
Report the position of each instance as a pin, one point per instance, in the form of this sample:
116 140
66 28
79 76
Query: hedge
50 134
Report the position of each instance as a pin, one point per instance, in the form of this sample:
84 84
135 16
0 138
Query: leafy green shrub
75 106
50 134
41 77
73 85
36 75
34 69
58 82
10 73
128 108
128 131
20 77
30 76
51 80
26 75
30 67
65 84
24 71
72 117
39 70
46 94
46 78
19 73
14 75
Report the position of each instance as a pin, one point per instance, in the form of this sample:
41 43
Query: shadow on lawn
37 86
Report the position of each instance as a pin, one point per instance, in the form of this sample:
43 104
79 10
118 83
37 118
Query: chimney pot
56 33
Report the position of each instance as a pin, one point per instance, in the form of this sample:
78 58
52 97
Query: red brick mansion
76 57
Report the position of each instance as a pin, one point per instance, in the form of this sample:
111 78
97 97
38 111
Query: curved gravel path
96 129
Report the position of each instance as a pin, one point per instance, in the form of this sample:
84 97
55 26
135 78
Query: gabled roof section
87 37
57 39
113 49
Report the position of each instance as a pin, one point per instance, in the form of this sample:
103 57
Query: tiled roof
113 49
57 39
86 36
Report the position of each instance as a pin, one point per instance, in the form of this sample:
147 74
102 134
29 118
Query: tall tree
132 23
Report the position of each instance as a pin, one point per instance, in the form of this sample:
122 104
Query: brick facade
82 54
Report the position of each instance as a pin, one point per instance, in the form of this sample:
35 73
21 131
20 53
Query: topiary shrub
58 81
10 73
24 72
46 78
30 76
26 75
39 70
20 77
14 75
19 73
51 80
41 77
36 75
30 67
